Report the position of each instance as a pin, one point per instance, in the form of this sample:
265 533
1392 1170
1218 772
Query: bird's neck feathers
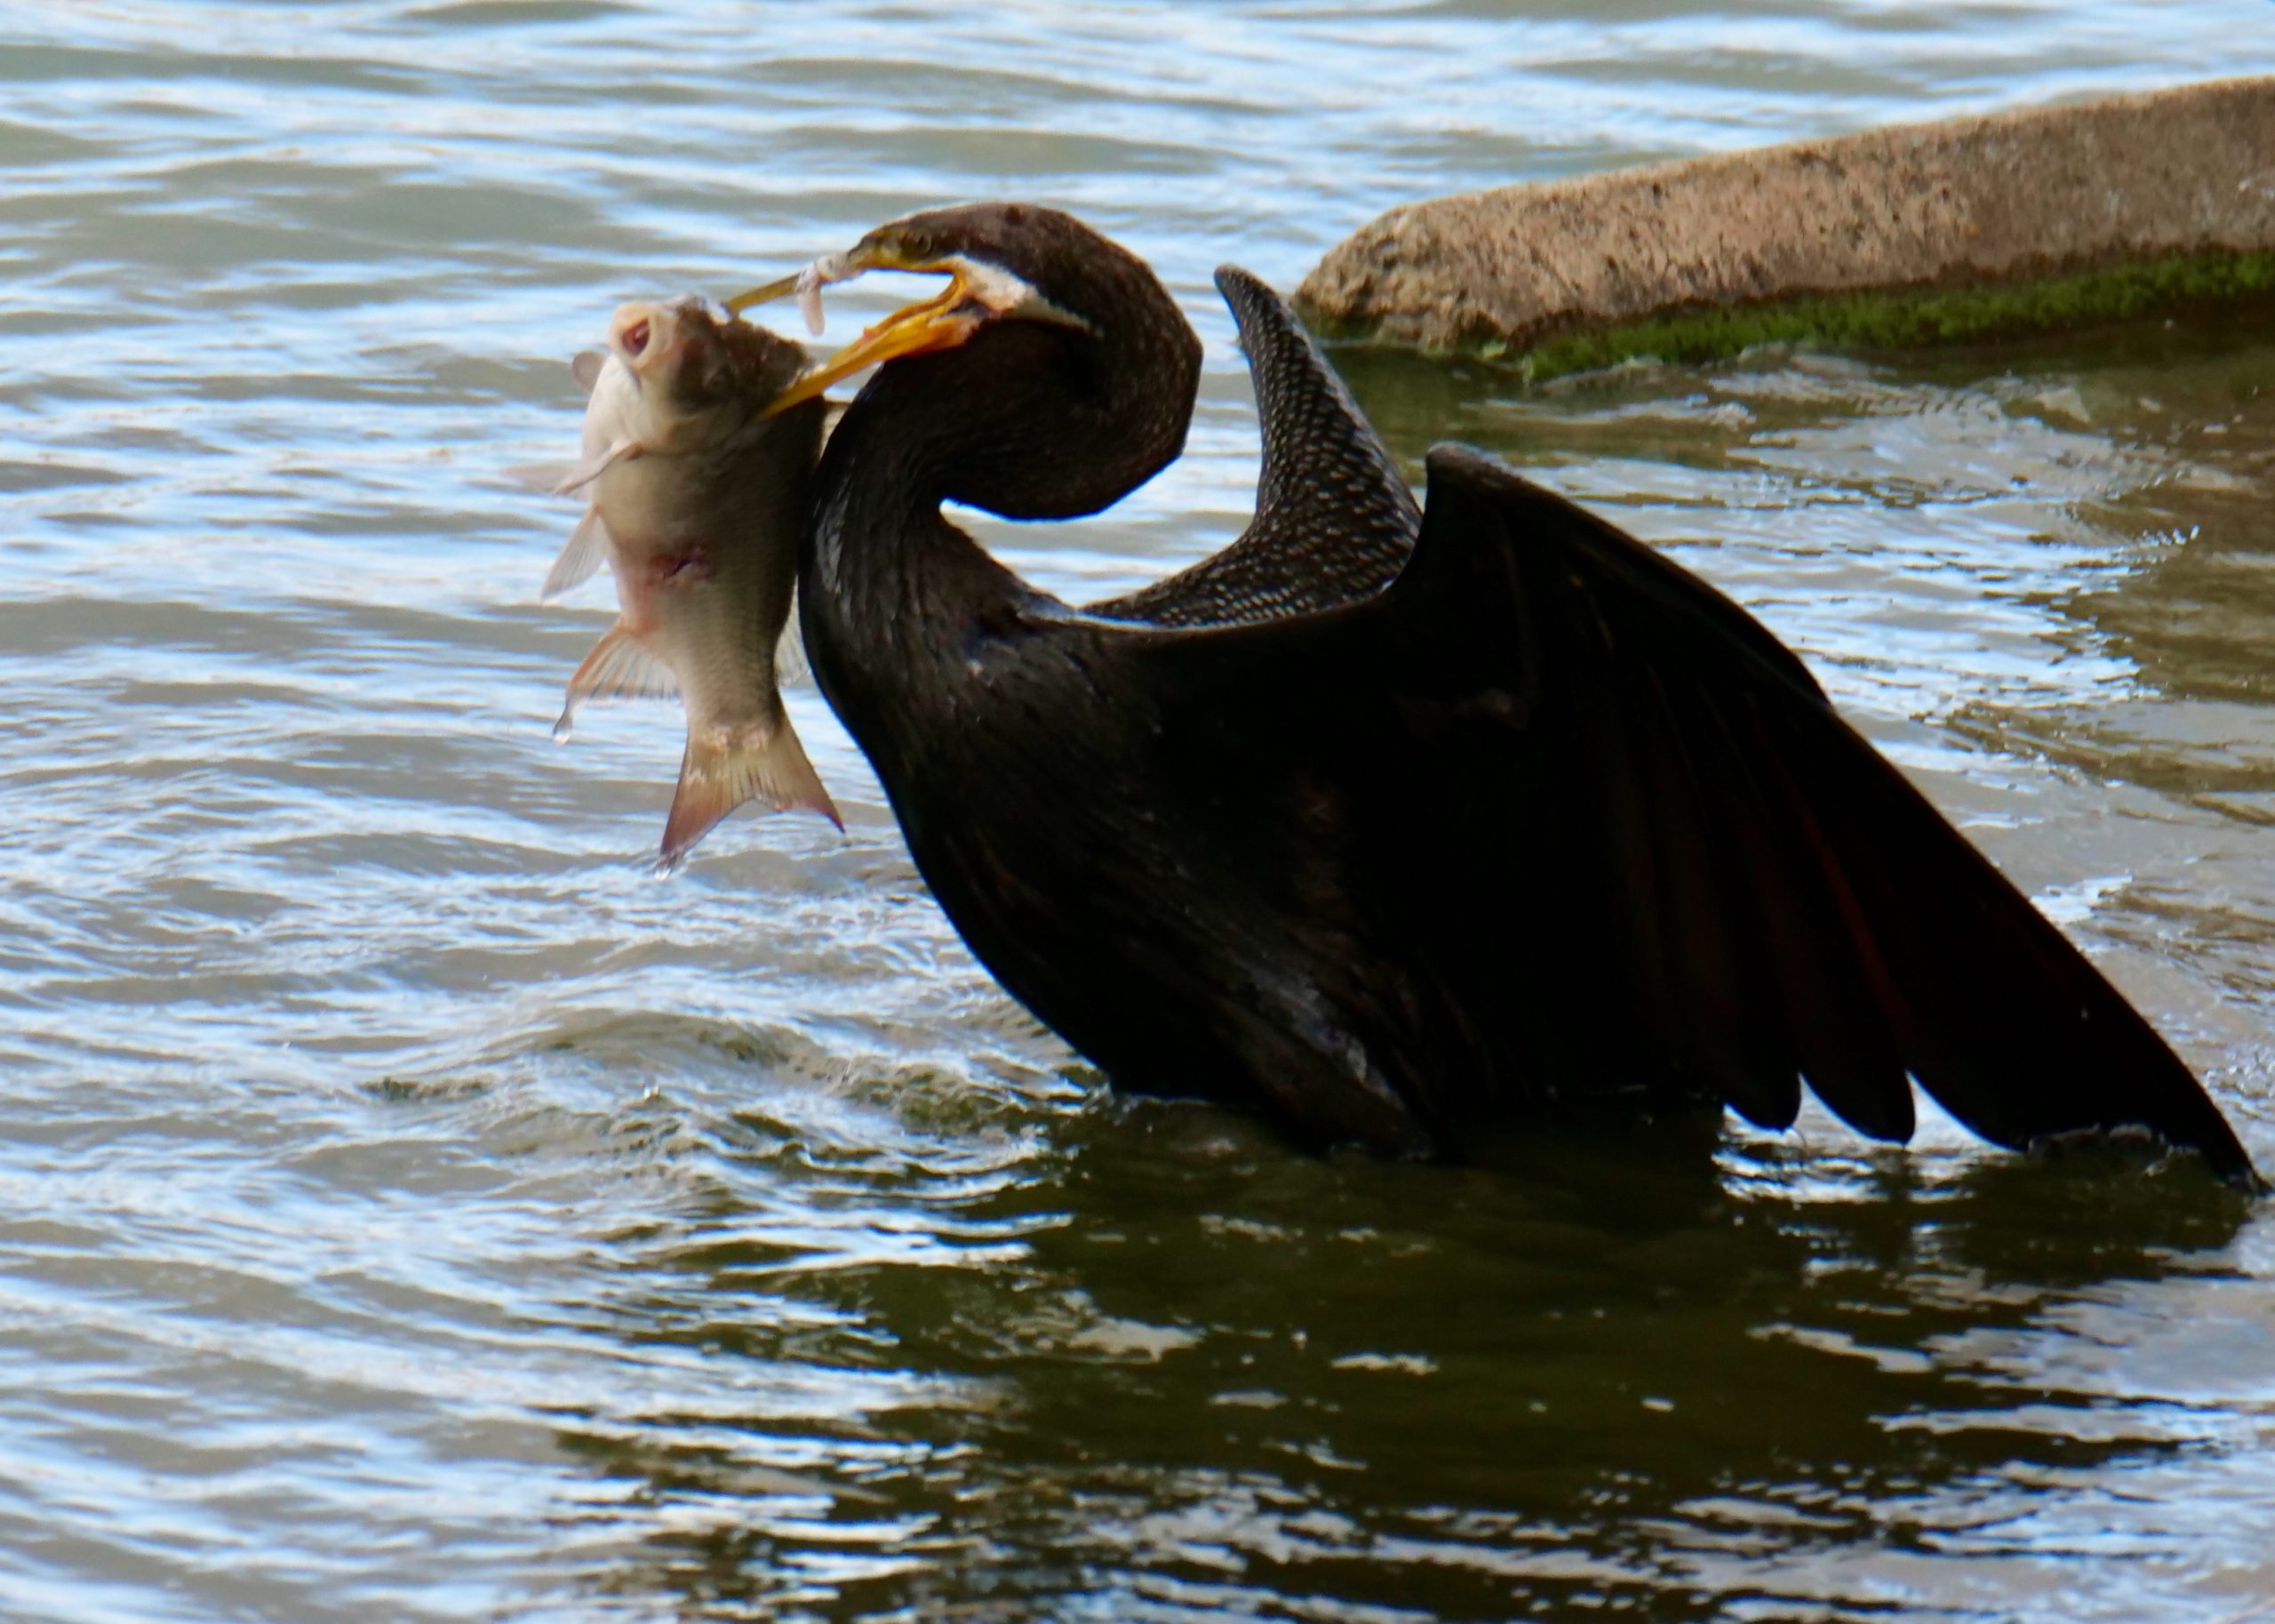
889 589
1026 421
878 551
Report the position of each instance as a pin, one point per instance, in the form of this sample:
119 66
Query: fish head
681 448
700 373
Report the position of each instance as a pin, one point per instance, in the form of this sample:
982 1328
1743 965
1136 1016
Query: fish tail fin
723 769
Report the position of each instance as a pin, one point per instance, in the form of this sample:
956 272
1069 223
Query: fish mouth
978 292
655 341
640 335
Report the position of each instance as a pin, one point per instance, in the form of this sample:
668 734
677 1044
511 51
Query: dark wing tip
1335 519
1236 283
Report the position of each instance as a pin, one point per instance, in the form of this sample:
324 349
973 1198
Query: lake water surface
411 1209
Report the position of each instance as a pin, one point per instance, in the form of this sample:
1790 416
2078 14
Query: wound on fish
691 569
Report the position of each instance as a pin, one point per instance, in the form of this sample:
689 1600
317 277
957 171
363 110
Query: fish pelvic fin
724 767
620 666
587 552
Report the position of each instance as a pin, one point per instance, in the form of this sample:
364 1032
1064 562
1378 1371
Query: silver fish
696 503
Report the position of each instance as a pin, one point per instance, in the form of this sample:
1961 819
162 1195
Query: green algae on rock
1955 232
1912 318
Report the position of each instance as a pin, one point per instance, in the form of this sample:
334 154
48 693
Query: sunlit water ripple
414 1210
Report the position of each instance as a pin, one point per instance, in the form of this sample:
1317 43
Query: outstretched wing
1335 519
1581 825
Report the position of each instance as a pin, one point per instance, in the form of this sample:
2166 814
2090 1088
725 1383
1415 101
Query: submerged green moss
1910 319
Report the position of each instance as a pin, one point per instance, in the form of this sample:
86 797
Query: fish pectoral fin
585 472
587 552
619 667
585 367
723 769
545 476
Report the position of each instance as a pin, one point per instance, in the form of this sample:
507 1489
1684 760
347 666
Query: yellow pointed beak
766 295
940 322
978 292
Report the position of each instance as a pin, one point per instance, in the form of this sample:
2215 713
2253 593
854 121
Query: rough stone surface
1965 203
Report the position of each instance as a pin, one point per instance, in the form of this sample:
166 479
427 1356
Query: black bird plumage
1544 819
1335 519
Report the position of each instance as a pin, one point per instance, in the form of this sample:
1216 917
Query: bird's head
1065 347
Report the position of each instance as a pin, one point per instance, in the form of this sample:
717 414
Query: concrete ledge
1964 230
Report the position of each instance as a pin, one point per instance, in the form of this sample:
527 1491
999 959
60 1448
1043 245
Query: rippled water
413 1210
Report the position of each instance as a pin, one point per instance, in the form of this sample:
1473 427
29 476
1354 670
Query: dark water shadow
1190 1373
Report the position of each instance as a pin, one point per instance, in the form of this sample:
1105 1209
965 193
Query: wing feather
1335 519
1774 899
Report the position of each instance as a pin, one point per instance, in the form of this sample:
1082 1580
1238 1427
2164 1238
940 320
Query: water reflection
1171 1370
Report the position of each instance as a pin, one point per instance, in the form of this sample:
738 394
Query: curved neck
1025 420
